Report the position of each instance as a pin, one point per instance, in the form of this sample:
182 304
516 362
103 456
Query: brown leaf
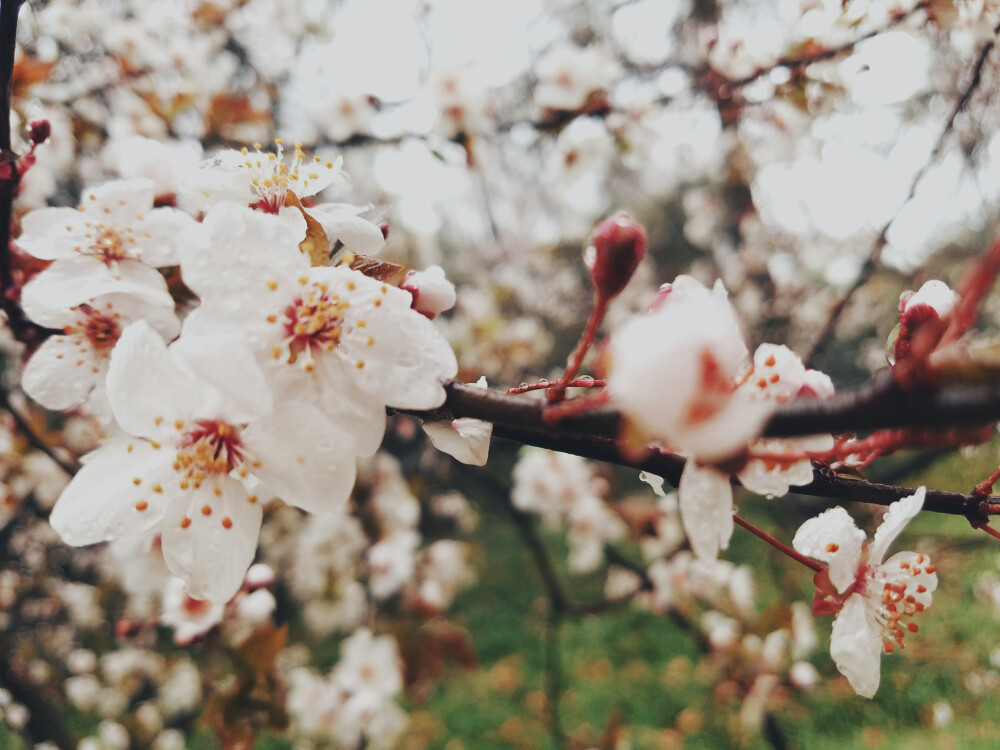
316 244
380 270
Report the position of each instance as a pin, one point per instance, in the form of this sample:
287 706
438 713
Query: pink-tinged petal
856 646
210 538
706 505
833 537
74 281
238 260
228 383
61 373
899 514
52 233
145 389
104 501
466 440
305 458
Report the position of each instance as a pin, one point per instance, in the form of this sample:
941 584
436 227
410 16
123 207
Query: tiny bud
39 131
816 384
661 297
923 317
619 243
259 575
432 292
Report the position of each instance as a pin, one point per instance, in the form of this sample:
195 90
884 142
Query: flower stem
811 564
558 392
584 382
987 528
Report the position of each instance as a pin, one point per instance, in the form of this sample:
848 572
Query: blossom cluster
277 383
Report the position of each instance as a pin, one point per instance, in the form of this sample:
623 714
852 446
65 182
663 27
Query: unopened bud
816 384
619 243
39 131
432 292
923 314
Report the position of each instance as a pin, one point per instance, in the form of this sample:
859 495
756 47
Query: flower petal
305 458
214 547
899 514
145 389
103 500
706 504
466 440
856 646
73 281
61 373
833 537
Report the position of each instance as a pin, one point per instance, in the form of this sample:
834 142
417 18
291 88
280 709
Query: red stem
539 386
985 488
573 362
811 564
987 528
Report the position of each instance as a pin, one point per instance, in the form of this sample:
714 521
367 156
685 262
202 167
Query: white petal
160 236
856 646
358 412
893 571
145 389
99 504
899 514
404 358
304 457
833 537
73 281
119 201
467 440
228 383
237 254
52 233
61 373
356 233
211 557
706 504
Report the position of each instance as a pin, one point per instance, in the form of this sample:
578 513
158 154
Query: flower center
271 178
108 246
899 601
714 393
102 330
313 321
211 448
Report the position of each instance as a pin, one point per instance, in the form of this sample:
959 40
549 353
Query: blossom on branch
203 435
875 601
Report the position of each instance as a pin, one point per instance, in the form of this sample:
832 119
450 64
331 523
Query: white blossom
874 600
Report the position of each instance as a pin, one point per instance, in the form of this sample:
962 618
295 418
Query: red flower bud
619 243
39 131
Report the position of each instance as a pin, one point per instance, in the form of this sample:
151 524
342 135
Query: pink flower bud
816 384
432 292
923 314
39 131
619 243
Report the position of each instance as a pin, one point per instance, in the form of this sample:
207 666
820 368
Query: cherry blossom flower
67 367
875 601
201 424
568 76
330 336
190 618
110 243
432 293
674 373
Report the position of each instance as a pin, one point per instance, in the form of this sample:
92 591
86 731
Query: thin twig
875 253
34 438
8 160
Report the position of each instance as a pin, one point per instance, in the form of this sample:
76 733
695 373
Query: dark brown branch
670 466
880 404
875 253
8 160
